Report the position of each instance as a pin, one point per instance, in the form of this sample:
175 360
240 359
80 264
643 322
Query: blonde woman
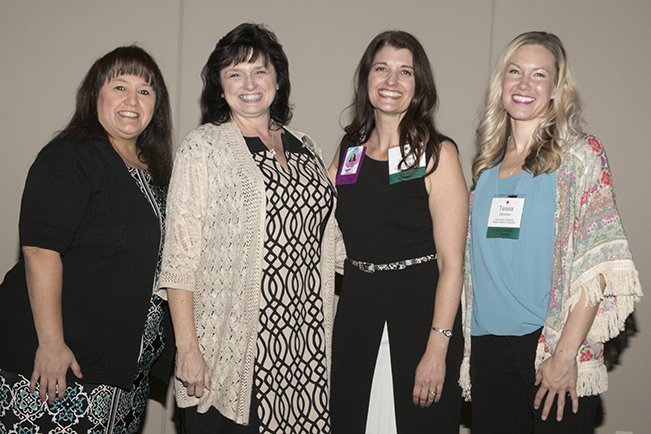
549 274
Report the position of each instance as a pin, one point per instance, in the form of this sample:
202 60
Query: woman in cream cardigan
249 259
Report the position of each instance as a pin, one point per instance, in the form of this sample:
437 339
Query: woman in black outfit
403 217
80 328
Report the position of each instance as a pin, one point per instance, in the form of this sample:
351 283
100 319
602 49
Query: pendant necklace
271 148
514 169
273 145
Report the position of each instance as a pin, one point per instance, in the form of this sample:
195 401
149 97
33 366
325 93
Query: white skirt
381 417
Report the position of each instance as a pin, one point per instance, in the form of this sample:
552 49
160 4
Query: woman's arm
594 202
340 248
448 204
187 202
557 375
44 273
334 166
191 367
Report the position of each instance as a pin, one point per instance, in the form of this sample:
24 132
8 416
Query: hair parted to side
245 43
561 124
417 125
155 143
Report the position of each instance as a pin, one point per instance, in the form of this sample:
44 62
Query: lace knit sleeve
186 207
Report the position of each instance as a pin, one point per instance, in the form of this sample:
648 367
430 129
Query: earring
277 86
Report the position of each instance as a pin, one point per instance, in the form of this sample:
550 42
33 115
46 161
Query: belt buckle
367 267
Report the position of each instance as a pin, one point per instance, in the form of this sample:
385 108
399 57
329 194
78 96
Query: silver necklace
517 167
273 145
271 148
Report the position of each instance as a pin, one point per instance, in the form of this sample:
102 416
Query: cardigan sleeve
601 248
186 209
56 195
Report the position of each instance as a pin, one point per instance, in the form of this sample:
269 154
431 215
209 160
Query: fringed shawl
590 241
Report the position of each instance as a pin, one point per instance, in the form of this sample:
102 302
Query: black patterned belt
369 267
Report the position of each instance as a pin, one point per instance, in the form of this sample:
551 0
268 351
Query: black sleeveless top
380 222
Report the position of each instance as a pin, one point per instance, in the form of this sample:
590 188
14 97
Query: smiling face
125 106
529 83
391 82
249 88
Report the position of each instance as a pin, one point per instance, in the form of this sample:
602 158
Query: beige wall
47 46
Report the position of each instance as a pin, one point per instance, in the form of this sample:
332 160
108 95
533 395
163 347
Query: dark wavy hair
154 144
245 43
417 125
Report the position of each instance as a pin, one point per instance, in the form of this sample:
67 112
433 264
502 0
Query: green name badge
404 172
510 233
505 217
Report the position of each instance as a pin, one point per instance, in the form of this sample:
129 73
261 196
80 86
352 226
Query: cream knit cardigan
216 209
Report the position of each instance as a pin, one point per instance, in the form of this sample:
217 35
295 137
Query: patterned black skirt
85 408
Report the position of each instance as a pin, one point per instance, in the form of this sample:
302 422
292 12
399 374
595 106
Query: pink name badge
352 163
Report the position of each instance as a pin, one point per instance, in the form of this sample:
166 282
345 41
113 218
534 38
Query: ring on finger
431 393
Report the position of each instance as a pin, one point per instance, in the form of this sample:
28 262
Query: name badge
404 172
505 217
351 165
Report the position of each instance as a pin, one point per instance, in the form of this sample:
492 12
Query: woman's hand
430 374
192 370
448 206
50 368
53 358
191 367
557 375
557 378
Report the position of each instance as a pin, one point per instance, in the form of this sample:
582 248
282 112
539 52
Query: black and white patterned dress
290 375
90 408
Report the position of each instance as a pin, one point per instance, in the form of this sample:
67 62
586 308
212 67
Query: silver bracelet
445 332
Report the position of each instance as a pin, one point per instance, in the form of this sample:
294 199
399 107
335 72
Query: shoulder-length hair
154 144
560 125
245 43
417 125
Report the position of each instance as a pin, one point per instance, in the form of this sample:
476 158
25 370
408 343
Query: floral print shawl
590 242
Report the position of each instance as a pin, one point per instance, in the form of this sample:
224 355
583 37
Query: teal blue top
512 277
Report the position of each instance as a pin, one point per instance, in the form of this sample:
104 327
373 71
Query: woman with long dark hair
402 210
80 327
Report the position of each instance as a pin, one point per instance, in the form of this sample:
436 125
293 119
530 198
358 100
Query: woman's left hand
557 378
430 376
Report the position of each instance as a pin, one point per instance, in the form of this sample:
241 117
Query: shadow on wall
158 391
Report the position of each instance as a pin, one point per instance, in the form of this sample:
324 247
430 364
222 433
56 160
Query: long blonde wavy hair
560 125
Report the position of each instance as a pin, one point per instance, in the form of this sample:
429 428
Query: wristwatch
445 332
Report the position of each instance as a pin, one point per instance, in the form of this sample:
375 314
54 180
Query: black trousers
503 376
405 300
